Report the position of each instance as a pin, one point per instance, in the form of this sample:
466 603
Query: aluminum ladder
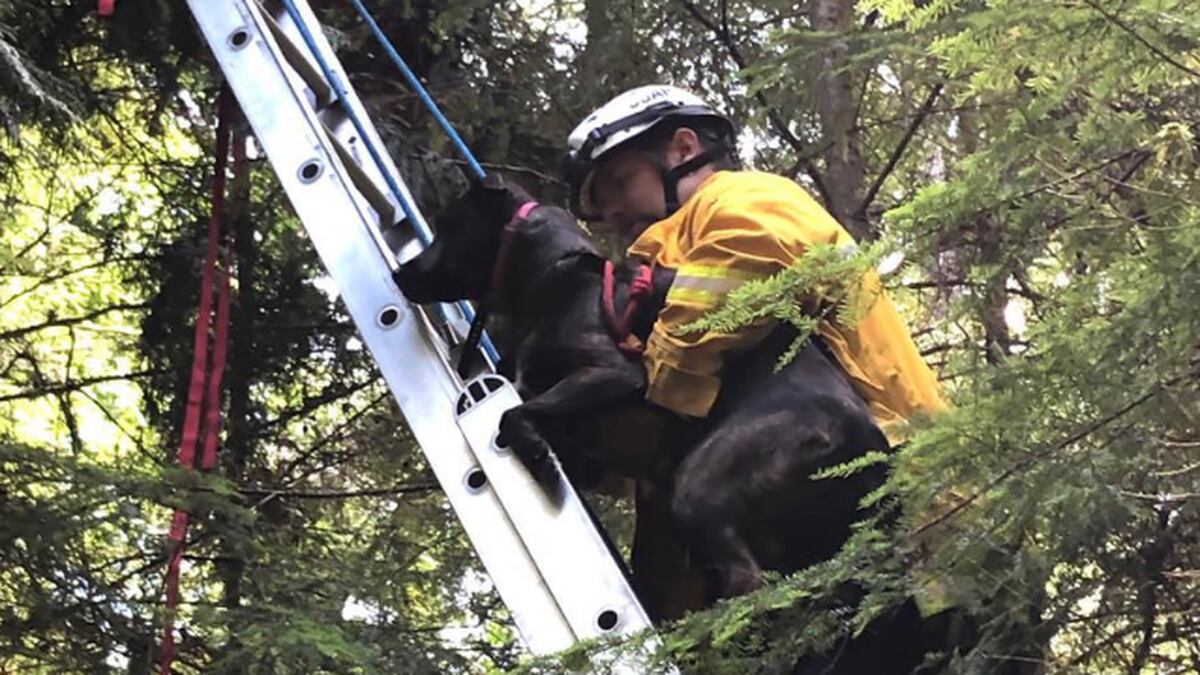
551 566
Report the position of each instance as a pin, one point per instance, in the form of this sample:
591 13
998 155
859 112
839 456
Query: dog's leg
753 470
662 577
584 391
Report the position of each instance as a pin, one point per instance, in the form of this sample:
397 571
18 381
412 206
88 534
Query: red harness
506 242
475 334
621 325
202 417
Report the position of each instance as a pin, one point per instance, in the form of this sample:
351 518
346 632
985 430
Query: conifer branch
725 37
75 385
55 322
1070 440
1116 21
898 152
403 488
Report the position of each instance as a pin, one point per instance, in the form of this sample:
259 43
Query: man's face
627 193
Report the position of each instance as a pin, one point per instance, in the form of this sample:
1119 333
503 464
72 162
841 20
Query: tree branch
327 396
512 168
735 53
58 276
403 488
75 385
898 152
335 434
1034 457
1116 21
64 401
71 321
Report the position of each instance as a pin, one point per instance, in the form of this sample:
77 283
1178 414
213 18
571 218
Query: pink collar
506 241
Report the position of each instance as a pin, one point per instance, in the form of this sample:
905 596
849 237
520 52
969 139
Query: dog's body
737 486
743 494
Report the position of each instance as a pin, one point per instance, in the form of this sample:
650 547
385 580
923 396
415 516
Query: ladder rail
551 566
260 84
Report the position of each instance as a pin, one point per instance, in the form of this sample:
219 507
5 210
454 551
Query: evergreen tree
1034 162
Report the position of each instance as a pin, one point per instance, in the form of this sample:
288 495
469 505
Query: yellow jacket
741 225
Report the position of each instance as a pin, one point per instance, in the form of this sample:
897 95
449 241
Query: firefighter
659 166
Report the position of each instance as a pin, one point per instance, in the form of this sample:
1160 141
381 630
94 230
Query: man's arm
736 243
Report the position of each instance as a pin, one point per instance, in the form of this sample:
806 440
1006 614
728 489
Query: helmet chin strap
672 175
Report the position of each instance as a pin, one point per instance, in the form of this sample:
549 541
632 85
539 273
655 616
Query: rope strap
204 389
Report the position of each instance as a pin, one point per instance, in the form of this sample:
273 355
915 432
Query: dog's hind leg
667 585
749 474
708 505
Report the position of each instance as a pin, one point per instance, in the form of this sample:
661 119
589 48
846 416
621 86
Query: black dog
741 493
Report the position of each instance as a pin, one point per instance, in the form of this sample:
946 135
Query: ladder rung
379 201
292 53
325 98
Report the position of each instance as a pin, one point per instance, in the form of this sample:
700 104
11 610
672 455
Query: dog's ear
490 194
498 194
493 182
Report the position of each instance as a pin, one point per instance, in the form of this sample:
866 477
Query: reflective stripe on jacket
742 225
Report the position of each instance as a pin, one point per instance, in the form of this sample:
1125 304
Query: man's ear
685 144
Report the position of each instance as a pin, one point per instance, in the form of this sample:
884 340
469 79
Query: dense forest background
1034 160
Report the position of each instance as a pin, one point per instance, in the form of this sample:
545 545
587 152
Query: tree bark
239 437
997 339
988 234
837 107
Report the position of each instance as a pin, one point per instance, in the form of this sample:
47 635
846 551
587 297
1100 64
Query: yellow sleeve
733 243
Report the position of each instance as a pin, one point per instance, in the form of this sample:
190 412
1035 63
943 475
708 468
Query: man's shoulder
754 186
775 202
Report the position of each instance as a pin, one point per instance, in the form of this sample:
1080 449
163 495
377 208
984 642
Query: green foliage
828 283
847 469
1035 162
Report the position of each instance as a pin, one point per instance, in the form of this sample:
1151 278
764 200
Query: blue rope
410 211
342 93
419 88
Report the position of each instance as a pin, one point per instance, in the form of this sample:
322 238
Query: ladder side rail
403 243
335 217
563 545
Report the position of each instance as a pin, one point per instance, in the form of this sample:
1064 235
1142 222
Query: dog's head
458 264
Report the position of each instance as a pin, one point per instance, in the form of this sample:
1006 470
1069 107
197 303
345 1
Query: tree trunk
996 338
238 438
988 236
837 106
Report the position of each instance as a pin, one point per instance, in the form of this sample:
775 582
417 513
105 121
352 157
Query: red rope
220 350
202 399
106 7
621 324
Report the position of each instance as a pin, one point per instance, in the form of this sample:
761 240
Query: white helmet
628 116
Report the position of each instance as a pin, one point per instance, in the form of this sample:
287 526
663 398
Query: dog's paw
532 450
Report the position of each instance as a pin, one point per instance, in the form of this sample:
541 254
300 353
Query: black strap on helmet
672 175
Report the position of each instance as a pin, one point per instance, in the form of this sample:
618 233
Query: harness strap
621 326
506 241
507 237
198 393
